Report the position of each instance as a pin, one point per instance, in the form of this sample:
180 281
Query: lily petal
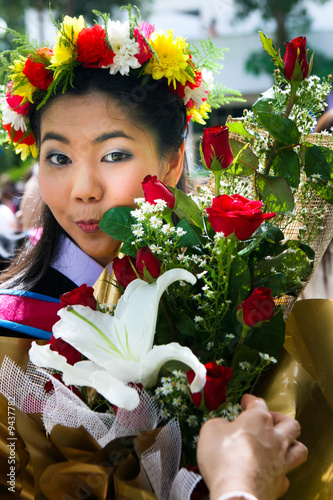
159 355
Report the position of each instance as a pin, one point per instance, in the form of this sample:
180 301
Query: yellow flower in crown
26 150
172 58
199 114
21 83
65 50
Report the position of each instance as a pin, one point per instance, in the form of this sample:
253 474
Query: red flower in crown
93 49
35 68
143 32
18 136
15 103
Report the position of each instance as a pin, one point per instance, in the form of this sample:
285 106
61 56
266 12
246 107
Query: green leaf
294 262
268 45
245 162
319 160
192 236
264 105
282 129
117 222
324 190
265 232
186 207
269 338
275 194
286 165
128 248
240 280
239 129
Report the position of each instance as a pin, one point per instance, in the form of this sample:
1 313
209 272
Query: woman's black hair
149 104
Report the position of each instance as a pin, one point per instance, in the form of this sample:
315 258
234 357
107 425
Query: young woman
102 109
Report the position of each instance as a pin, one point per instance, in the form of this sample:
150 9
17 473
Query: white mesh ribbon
61 406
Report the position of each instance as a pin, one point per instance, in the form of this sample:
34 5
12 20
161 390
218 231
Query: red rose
65 349
294 56
236 214
35 69
93 49
257 309
215 389
155 190
215 143
83 295
145 259
123 270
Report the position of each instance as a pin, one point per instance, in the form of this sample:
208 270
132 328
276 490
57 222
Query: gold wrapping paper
301 385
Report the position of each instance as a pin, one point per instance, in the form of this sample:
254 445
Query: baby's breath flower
138 214
155 249
155 222
180 231
160 205
192 421
167 229
267 357
198 319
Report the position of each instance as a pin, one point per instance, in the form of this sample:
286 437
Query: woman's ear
174 167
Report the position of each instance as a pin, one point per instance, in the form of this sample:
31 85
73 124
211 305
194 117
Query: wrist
237 495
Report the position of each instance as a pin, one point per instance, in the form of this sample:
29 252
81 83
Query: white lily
119 348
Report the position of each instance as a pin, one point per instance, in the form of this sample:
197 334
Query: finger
284 487
296 455
289 429
279 417
249 401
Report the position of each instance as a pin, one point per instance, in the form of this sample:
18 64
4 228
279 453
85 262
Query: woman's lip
88 226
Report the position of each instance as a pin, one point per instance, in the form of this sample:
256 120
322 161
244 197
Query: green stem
168 318
217 178
242 337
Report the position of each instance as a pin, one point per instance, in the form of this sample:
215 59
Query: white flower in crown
124 47
198 94
11 117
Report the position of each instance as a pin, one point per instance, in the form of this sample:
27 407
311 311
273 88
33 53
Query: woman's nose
87 186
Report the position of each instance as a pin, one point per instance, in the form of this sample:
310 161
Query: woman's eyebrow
111 135
56 137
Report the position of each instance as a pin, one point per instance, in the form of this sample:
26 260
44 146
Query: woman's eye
58 159
116 156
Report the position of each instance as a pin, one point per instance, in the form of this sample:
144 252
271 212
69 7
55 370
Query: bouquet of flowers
201 315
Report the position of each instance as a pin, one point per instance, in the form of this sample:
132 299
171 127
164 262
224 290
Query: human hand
253 453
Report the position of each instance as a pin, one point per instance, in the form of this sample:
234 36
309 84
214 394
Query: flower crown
124 48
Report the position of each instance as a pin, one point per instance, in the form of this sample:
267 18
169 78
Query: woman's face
93 158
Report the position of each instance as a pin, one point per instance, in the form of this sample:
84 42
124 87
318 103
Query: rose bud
146 260
155 190
236 214
83 295
216 146
294 56
124 270
257 309
65 349
214 392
